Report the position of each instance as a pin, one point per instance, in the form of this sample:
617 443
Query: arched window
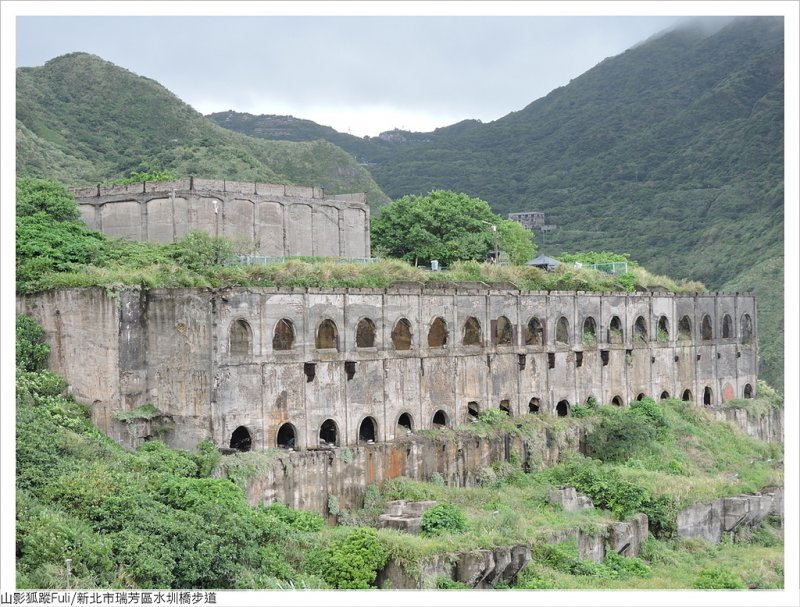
665 395
287 436
439 419
283 339
503 332
748 391
401 335
406 423
241 339
368 431
662 333
329 433
472 332
534 405
640 397
616 401
365 333
473 410
534 333
746 333
615 331
437 334
505 406
706 332
562 331
687 396
708 396
589 331
327 336
241 439
685 329
727 327
640 329
562 408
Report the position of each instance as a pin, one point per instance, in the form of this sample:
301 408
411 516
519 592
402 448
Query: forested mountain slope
83 120
671 151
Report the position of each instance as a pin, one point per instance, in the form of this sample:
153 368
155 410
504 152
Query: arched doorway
640 396
365 333
368 431
505 406
562 408
664 395
405 423
687 396
283 338
440 419
241 339
503 332
327 336
534 405
616 401
241 439
437 334
401 335
287 436
748 391
473 410
708 396
329 433
472 332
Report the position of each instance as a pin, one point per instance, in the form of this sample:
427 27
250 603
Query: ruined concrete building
310 368
277 220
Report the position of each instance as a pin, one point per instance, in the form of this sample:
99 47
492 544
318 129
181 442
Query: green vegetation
443 518
447 227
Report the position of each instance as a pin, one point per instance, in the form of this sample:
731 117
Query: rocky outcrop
767 426
726 515
404 515
569 499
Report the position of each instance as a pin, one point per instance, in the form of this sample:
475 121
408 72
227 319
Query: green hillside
671 151
83 120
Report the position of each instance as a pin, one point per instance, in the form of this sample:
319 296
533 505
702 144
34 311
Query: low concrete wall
726 515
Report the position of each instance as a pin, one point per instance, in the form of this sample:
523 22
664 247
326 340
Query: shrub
350 562
492 416
298 519
717 578
32 352
443 518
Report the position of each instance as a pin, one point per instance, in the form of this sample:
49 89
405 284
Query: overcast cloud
358 74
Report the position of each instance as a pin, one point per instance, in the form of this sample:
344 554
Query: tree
50 197
448 227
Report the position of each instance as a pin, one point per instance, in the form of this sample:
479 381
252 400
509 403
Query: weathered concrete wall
726 515
767 427
278 220
377 364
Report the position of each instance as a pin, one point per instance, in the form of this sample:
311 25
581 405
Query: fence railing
263 260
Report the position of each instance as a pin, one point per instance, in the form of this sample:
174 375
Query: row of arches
328 435
502 333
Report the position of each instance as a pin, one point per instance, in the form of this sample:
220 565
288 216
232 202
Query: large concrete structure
278 220
267 367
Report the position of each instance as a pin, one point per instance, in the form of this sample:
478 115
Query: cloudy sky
359 74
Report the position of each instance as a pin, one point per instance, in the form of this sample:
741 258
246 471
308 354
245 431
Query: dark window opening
310 369
440 419
727 327
505 406
522 361
535 405
604 357
503 332
615 331
368 431
401 335
663 329
365 334
706 332
534 333
283 338
708 396
664 395
698 356
406 423
676 359
616 401
640 396
687 396
640 329
473 410
328 433
562 331
746 332
286 437
327 336
437 335
240 339
350 369
738 355
551 360
472 332
748 391
578 359
685 329
629 355
719 355
562 408
589 331
241 439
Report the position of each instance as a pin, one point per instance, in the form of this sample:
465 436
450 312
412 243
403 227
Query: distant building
533 220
